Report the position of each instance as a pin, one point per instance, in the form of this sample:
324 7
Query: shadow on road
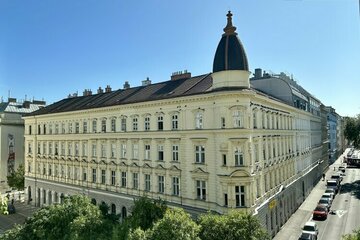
353 188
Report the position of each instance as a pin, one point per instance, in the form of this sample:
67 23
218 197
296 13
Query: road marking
341 213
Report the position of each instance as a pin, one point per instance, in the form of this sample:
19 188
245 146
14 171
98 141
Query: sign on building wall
11 157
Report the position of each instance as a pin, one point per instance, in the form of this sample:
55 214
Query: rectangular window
199 154
135 151
30 148
69 149
175 153
225 199
199 120
50 129
56 128
147 123
94 126
38 148
161 153
147 183
62 149
113 178
161 184
113 125
50 170
201 190
63 128
56 149
93 149
44 148
135 180
103 176
113 150
94 175
44 169
147 152
44 128
123 179
123 150
77 127
50 148
84 149
103 150
30 130
254 120
224 159
123 124
103 125
76 149
240 196
39 129
56 171
176 186
238 119
223 124
174 122
239 158
70 127
160 123
84 174
135 124
84 127
76 173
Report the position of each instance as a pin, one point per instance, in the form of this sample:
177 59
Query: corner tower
230 68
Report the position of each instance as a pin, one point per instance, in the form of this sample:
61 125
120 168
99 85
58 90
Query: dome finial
229 29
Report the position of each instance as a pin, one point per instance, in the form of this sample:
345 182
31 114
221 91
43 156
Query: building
12 135
215 142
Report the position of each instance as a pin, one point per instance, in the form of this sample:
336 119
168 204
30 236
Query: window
135 180
199 154
161 153
50 169
123 124
69 149
239 159
223 124
238 119
50 148
135 151
76 173
94 175
103 176
175 153
113 150
77 127
160 123
29 129
44 148
44 128
84 127
39 129
38 148
174 122
147 123
69 172
201 189
103 150
147 183
84 174
56 148
113 125
56 171
135 124
94 127
176 186
93 149
56 128
225 199
123 179
161 184
199 120
123 150
240 196
84 149
147 152
62 149
103 125
113 178
44 169
76 149
254 120
63 128
224 159
70 127
50 128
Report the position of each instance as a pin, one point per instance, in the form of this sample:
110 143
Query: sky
50 49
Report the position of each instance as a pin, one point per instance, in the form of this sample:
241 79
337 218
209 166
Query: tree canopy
352 130
17 178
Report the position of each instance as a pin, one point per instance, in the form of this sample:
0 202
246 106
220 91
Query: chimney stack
126 85
258 73
100 90
87 92
108 88
180 75
146 82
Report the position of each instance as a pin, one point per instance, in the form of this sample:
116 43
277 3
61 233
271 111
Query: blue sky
49 49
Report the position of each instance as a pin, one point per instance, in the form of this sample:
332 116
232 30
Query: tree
76 218
352 130
175 225
17 178
354 236
4 205
235 225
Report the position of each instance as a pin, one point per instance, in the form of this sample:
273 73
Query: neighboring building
12 135
208 142
332 119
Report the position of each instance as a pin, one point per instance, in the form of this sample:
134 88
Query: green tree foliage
17 178
175 225
354 236
76 219
352 130
235 225
3 205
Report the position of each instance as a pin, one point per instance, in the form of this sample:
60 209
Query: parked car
307 236
331 191
333 184
342 168
337 176
311 228
329 196
326 202
320 212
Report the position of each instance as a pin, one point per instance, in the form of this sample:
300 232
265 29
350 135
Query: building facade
12 135
210 142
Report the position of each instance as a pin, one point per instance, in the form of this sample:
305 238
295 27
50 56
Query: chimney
12 100
180 75
87 92
126 85
258 73
26 104
100 90
146 82
108 88
39 102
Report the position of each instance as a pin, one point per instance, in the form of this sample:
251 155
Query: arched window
123 212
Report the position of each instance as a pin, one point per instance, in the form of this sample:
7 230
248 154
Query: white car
329 196
331 191
311 228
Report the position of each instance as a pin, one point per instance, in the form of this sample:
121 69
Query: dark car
11 208
307 236
320 212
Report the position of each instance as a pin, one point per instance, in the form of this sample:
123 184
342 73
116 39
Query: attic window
170 93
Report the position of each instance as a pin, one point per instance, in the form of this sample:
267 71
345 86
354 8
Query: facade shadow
353 188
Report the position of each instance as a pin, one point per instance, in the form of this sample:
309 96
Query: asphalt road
22 212
346 208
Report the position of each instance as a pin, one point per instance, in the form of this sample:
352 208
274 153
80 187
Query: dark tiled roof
163 90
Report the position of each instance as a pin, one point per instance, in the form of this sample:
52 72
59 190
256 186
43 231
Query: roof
158 91
21 108
230 53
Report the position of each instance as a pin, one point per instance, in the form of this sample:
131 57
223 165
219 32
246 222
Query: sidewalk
291 229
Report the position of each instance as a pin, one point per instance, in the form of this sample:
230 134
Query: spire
229 29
